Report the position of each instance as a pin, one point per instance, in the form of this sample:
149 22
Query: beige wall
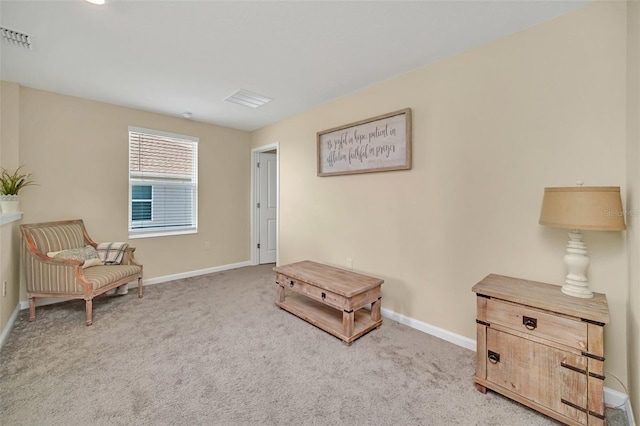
78 150
491 128
633 200
9 237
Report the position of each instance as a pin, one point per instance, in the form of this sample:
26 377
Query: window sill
6 218
166 233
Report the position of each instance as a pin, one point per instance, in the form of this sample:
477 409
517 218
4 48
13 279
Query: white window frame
138 180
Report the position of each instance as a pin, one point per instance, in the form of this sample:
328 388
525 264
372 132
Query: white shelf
10 217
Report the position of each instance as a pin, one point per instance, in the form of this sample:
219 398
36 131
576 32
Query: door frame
255 228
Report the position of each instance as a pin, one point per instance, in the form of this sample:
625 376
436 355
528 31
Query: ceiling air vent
247 98
16 37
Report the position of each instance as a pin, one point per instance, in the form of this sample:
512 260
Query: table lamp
591 208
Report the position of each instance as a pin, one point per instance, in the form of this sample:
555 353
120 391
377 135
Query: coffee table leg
375 309
347 322
280 293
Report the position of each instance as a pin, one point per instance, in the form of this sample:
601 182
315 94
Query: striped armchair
54 277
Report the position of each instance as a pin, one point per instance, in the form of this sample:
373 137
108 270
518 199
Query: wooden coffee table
332 299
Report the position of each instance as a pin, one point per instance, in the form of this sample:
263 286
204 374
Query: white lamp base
577 261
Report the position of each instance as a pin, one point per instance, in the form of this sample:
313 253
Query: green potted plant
11 183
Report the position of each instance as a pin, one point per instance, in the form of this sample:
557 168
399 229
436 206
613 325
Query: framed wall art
377 144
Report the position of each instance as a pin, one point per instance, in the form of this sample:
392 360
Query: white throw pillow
88 254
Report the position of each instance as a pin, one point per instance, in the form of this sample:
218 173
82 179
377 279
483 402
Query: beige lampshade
594 208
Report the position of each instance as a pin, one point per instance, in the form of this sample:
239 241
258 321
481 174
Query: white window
163 183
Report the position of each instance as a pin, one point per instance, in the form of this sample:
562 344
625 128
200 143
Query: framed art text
377 144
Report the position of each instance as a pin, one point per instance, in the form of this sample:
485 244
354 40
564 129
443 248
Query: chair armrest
43 258
128 257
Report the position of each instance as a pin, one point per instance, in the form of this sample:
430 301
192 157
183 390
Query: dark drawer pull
530 323
494 357
571 404
291 283
324 296
571 367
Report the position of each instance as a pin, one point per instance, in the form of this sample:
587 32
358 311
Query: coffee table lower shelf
327 318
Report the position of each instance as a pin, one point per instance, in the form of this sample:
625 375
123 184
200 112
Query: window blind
163 187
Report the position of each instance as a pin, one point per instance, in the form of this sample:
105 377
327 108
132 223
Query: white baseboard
612 397
438 332
7 329
195 273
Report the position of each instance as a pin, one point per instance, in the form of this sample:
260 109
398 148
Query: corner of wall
633 201
9 238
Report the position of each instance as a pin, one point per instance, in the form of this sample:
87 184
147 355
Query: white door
267 207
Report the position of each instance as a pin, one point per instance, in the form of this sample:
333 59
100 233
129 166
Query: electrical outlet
4 288
349 263
207 245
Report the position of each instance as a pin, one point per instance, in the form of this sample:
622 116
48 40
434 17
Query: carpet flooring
215 350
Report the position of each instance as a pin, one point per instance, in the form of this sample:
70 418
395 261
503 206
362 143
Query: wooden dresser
542 348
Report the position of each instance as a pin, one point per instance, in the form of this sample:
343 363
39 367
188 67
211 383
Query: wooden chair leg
139 286
89 312
32 309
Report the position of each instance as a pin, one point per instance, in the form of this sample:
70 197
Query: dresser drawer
566 331
292 284
326 297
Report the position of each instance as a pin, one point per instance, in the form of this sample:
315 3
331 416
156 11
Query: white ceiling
177 56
